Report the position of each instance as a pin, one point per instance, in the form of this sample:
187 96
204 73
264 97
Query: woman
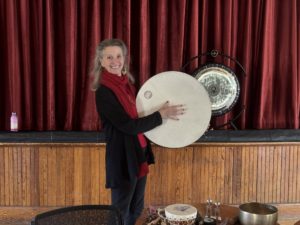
128 153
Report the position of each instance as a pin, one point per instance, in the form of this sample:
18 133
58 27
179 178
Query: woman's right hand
168 111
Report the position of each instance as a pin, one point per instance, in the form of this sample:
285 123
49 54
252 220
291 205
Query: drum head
177 88
222 86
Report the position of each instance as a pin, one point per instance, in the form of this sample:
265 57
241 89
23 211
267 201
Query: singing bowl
255 213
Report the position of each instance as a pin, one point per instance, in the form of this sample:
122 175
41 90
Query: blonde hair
97 68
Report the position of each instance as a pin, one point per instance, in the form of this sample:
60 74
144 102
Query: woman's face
113 60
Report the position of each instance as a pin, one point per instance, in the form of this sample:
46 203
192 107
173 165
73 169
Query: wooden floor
24 215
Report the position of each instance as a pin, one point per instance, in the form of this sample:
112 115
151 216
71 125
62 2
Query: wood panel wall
232 173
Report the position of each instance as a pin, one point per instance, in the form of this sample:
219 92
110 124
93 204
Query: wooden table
229 213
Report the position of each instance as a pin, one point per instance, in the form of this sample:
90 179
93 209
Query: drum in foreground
177 88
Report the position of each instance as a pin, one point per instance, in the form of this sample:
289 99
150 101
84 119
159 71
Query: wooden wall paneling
157 178
266 176
78 158
215 164
204 171
43 175
237 171
244 175
17 191
86 175
277 174
26 181
228 175
294 171
9 183
284 173
163 177
69 175
95 175
285 177
52 162
2 176
198 180
72 174
182 176
154 180
289 165
280 195
205 174
250 174
5 183
176 169
221 174
104 193
170 179
34 191
170 176
188 177
260 174
273 169
291 175
211 173
298 176
269 174
61 164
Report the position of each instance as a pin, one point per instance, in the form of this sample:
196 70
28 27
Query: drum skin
177 88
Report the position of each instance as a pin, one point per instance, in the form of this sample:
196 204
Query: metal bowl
255 213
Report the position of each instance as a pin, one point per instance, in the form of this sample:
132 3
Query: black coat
123 151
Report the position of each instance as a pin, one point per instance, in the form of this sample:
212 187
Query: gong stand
231 122
221 83
214 54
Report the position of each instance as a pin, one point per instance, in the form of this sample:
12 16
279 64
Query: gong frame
214 53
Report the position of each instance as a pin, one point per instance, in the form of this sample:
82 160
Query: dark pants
130 199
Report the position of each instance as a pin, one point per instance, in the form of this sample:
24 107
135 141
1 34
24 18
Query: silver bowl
255 213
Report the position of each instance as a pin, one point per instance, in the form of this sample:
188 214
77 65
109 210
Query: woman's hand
168 111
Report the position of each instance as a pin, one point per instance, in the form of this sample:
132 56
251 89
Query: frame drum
177 88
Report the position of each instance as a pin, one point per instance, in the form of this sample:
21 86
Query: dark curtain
47 48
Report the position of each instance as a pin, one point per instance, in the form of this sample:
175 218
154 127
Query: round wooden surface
228 213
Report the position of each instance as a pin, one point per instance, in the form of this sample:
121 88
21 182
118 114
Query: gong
222 86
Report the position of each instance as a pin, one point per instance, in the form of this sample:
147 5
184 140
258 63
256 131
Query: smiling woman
128 153
111 55
113 60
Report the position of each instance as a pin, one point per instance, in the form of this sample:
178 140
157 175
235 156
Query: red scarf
125 93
